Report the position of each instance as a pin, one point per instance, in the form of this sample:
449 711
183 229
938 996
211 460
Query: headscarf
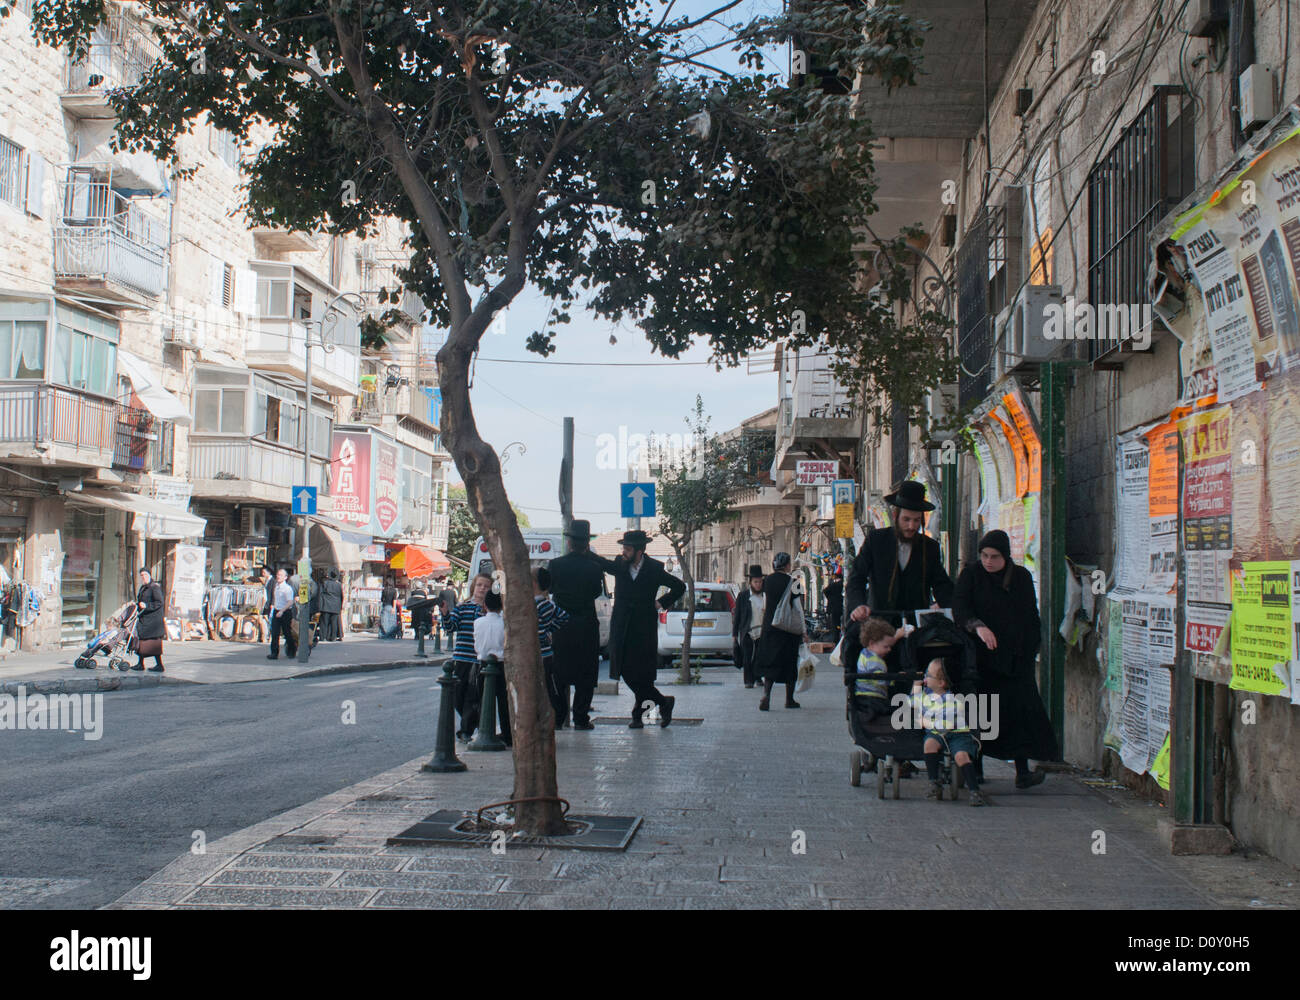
1004 601
997 539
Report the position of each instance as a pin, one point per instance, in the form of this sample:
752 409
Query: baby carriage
881 746
117 640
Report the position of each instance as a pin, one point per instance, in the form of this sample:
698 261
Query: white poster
1227 311
1132 459
188 579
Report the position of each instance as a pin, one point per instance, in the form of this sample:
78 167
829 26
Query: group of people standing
565 592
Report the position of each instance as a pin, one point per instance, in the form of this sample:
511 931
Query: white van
543 546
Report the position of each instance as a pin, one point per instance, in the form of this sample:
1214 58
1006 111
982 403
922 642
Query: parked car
715 603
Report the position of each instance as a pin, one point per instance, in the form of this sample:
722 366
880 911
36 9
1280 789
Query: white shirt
283 597
634 568
904 554
490 636
757 603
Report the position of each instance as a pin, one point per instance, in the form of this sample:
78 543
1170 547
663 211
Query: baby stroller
880 746
116 641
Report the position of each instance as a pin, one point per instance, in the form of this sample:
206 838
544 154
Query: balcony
279 345
56 426
817 421
106 245
378 400
237 469
121 52
143 443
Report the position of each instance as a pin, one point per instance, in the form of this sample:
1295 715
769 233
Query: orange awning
416 561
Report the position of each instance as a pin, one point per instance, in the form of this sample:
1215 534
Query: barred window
13 173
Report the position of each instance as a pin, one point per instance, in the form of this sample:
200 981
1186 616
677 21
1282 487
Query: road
83 821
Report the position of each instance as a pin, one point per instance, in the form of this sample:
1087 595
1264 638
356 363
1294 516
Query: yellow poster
1262 631
1025 428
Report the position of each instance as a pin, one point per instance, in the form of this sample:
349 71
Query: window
22 338
225 145
1148 171
164 448
219 411
84 352
13 173
227 286
272 297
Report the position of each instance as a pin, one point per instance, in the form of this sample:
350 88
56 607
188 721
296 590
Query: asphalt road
83 821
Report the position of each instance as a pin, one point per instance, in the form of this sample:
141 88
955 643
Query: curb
85 685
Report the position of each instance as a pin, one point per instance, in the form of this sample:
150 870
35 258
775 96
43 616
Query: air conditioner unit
252 521
183 332
1020 343
941 403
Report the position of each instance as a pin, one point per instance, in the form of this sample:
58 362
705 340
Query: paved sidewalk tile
748 810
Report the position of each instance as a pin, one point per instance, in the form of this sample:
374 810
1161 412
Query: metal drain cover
449 828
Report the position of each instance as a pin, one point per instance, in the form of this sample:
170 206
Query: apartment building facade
156 347
1062 158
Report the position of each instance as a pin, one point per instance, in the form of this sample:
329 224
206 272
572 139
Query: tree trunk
684 673
532 719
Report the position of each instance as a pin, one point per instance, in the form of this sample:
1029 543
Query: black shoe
137 666
763 705
1031 779
666 712
583 725
936 791
636 724
749 685
792 704
155 670
269 656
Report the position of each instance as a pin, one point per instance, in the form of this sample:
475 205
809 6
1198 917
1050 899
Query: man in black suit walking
634 629
576 582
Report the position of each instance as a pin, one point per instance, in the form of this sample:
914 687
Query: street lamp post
304 562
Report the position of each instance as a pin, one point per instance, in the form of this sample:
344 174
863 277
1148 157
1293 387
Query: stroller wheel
80 663
897 775
882 777
855 768
954 780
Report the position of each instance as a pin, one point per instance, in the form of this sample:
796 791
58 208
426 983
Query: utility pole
304 561
566 476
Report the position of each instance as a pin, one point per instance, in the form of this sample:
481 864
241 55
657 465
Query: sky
527 403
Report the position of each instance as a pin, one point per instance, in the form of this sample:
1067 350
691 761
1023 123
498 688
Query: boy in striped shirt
460 625
550 618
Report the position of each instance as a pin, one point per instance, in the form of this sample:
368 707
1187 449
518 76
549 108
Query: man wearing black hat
899 569
746 623
576 582
634 629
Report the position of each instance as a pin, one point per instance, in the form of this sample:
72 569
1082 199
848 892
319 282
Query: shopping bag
837 654
807 668
788 616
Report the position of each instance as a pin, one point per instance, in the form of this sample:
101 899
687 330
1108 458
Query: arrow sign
637 499
304 500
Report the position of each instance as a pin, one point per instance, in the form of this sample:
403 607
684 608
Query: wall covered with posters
1213 493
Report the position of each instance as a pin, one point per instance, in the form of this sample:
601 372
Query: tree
696 484
585 146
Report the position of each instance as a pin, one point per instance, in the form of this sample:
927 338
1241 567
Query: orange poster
1033 447
1162 474
1017 452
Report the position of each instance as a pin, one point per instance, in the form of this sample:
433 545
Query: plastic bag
788 616
807 668
837 654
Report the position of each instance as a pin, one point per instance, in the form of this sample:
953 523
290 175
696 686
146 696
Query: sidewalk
723 804
201 661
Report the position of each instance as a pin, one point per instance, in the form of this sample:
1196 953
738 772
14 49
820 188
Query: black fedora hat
636 538
581 530
755 570
910 495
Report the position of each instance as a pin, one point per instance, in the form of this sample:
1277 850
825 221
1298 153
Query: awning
329 549
416 561
153 519
147 383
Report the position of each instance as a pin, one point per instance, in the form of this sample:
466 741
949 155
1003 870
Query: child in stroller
942 714
115 640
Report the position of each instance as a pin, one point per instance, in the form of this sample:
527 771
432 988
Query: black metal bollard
419 642
487 738
444 754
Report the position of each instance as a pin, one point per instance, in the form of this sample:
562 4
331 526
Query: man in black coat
634 629
420 604
744 622
899 569
331 607
576 582
834 595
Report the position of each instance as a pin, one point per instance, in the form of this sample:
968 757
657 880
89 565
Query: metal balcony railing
45 413
120 54
103 236
143 442
235 458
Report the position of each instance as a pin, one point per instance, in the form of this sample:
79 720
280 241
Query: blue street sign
637 499
842 491
304 500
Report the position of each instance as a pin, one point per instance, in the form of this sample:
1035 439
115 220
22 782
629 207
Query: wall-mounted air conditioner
252 521
1019 331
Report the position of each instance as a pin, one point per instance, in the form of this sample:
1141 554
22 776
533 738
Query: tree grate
449 828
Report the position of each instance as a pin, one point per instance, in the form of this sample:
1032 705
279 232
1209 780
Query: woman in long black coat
150 628
995 600
778 651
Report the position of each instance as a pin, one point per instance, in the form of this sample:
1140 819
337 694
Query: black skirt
777 657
